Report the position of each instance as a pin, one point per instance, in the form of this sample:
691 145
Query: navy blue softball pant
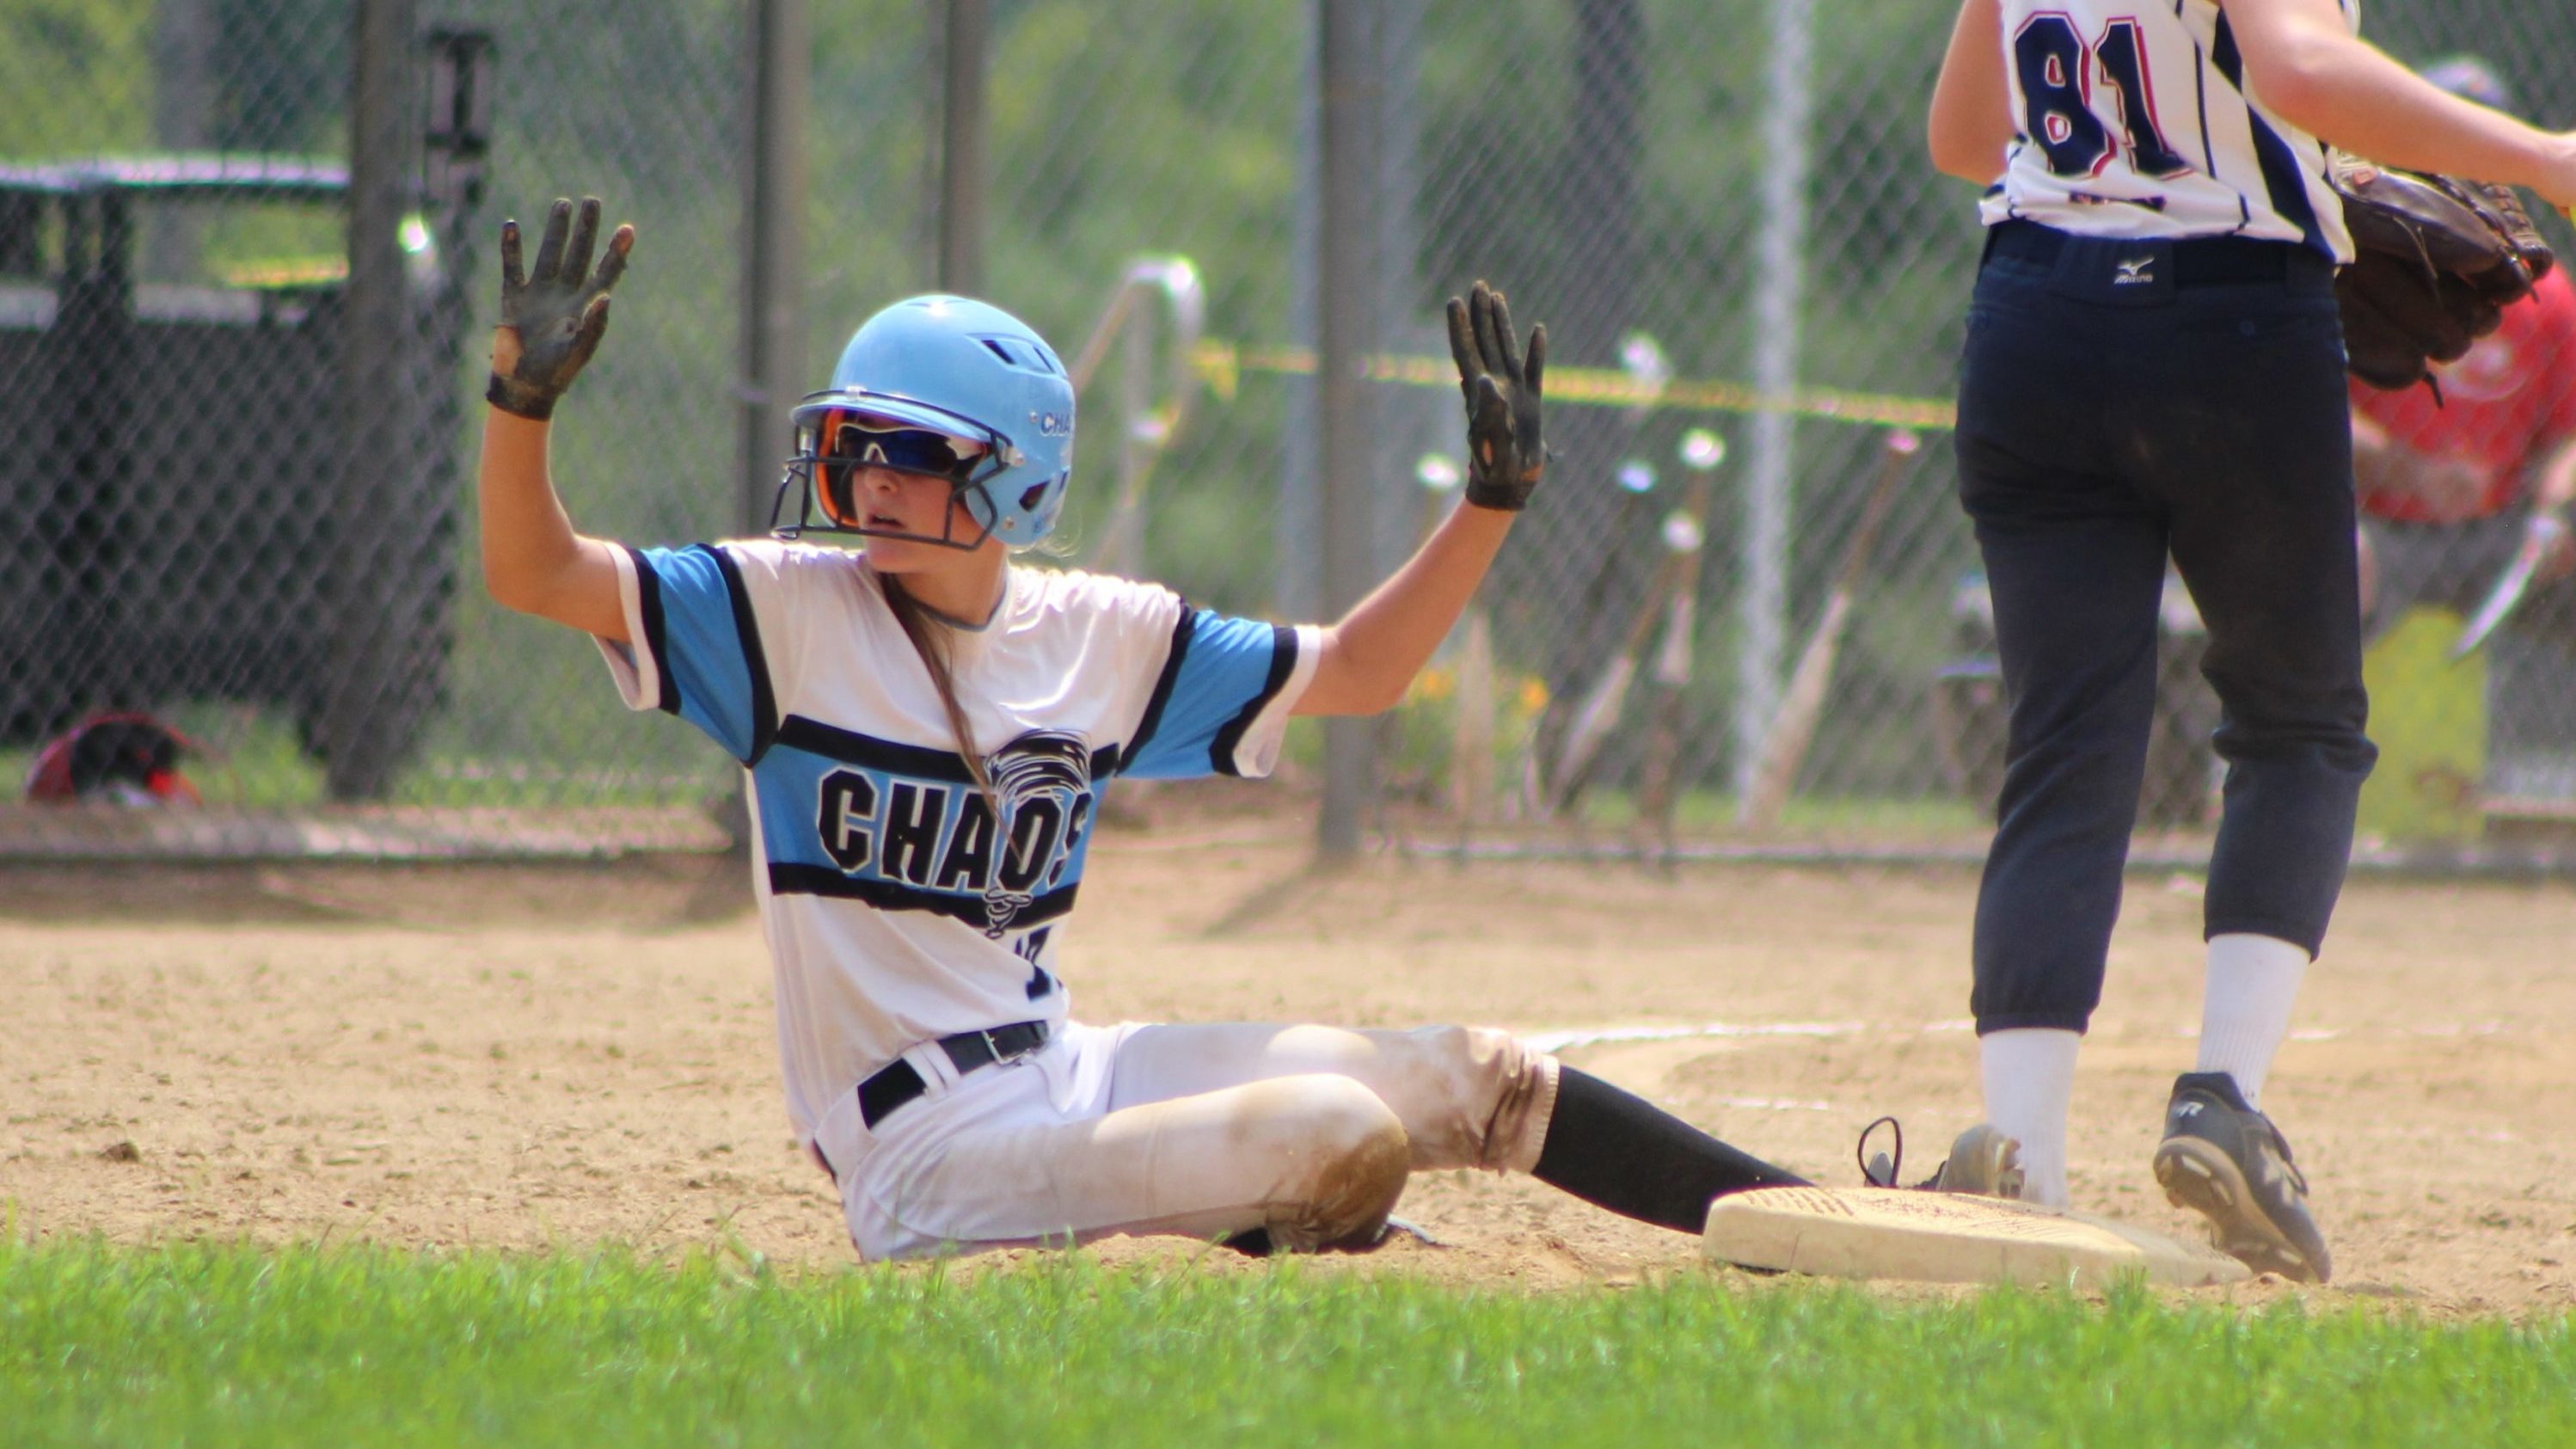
2122 402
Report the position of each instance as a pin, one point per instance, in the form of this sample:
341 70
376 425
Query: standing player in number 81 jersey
2154 367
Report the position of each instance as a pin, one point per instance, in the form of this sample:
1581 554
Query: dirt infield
525 1057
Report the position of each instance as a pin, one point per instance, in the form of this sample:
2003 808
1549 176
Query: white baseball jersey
2134 118
899 904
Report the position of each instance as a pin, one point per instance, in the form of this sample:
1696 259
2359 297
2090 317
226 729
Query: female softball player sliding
2154 365
927 726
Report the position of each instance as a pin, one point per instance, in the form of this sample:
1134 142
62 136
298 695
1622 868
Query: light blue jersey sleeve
1222 702
697 650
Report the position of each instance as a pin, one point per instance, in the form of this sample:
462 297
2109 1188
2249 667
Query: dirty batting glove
557 312
1505 452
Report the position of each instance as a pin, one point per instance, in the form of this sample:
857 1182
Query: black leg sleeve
1621 1152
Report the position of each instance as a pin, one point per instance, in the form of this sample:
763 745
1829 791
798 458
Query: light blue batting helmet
949 365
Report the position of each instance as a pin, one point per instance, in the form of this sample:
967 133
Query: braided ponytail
930 639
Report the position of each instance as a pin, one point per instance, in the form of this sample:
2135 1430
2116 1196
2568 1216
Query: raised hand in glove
1505 453
552 317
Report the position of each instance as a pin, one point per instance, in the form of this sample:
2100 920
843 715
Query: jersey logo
2135 272
1007 860
1043 771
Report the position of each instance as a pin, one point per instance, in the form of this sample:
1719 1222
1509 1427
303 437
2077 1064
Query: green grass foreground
235 1345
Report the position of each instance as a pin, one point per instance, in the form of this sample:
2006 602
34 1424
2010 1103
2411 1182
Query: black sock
1621 1152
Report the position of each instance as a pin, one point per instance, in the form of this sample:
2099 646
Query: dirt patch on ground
525 1057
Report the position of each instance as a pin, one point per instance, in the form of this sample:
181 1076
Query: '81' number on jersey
2058 72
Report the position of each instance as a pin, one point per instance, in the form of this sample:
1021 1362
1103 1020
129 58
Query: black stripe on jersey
787 879
746 627
2200 100
2223 54
1153 717
2286 188
1283 661
849 747
648 602
2209 148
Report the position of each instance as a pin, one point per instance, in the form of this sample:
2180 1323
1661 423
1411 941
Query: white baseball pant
1306 1131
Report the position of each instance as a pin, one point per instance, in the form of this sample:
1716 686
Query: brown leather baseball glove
2439 259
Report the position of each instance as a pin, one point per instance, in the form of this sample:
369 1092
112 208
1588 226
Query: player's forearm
1371 656
1971 121
533 561
2303 65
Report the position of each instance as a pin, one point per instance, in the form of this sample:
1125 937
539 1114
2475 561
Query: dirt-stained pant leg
1317 1160
1306 1131
1467 1096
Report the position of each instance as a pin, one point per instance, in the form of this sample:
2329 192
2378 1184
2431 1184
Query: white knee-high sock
2245 1007
2029 1078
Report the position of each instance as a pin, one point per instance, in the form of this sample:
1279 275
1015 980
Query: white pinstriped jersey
2134 119
901 904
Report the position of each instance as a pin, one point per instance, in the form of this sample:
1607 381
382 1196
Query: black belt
2199 261
970 1051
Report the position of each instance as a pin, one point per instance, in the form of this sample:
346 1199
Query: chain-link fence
237 410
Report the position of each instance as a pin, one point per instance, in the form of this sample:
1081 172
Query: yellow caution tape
1221 366
285 272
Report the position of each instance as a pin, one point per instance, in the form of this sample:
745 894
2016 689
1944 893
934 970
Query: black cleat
1256 1243
2227 1162
1983 1162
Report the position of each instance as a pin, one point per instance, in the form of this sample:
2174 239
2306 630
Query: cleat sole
2198 1176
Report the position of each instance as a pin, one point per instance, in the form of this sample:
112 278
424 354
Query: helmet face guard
945 387
839 434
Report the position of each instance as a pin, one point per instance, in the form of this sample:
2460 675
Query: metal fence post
185 93
962 150
1346 286
773 283
378 405
773 279
1763 603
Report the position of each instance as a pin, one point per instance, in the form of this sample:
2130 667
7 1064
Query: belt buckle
1002 1058
1040 1037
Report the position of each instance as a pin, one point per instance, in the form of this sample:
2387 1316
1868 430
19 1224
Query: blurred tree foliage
281 72
77 74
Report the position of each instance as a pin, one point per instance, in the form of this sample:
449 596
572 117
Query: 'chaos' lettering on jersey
902 901
907 829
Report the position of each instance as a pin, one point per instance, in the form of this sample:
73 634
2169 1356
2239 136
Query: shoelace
1882 1170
